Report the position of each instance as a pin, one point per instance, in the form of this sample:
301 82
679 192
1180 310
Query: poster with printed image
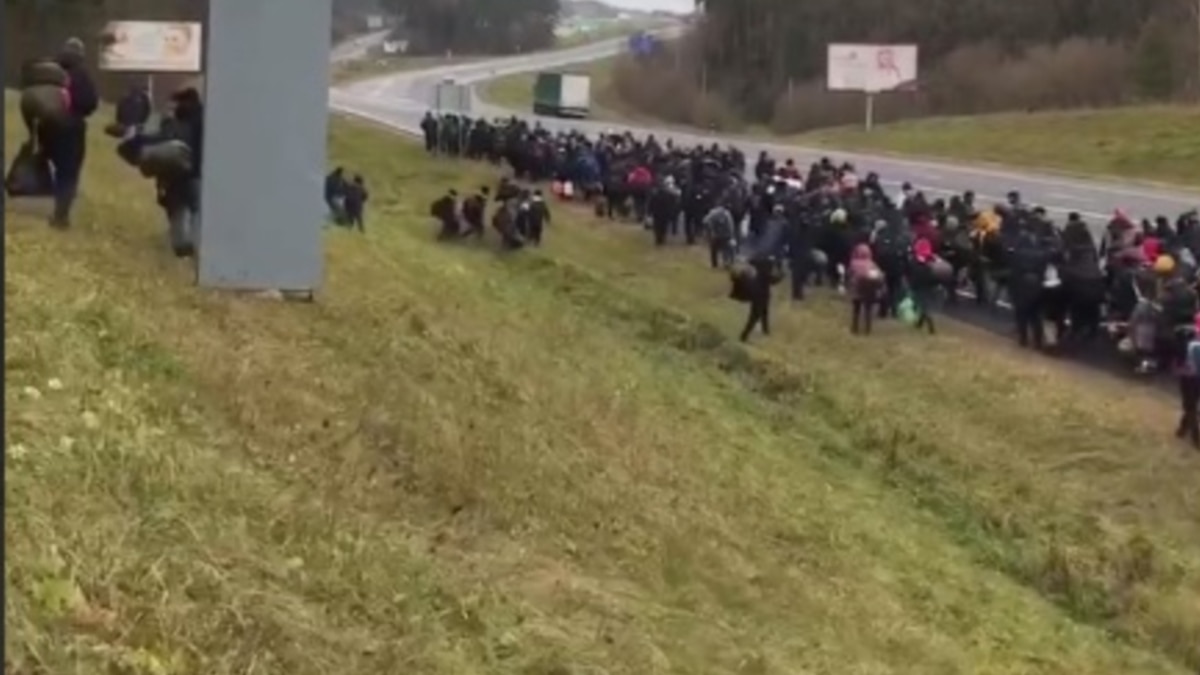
152 47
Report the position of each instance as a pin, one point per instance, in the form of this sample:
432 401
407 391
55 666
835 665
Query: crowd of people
893 255
58 98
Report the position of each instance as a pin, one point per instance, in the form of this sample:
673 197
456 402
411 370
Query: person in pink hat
922 282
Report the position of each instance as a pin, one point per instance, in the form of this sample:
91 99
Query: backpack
29 174
45 104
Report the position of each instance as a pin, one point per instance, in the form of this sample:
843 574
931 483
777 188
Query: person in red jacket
640 180
1151 248
923 227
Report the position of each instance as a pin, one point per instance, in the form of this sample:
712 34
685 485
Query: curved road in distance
399 100
357 48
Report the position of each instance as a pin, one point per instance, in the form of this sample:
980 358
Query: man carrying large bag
56 114
171 155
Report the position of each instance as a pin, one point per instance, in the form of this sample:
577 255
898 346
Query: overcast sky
652 5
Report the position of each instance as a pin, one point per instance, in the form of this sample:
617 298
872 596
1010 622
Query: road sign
643 44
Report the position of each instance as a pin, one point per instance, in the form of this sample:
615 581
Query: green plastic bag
906 311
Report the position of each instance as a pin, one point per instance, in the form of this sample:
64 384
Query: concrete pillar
266 122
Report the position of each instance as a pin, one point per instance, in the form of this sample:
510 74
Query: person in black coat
538 217
65 143
134 109
335 194
356 203
180 195
800 255
445 210
759 295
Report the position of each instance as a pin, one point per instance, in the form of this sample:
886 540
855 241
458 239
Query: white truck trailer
562 95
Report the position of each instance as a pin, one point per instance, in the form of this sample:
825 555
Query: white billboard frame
871 69
152 47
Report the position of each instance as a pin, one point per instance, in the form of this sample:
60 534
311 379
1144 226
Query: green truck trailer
562 95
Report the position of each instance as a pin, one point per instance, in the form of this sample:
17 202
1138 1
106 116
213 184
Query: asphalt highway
358 47
399 100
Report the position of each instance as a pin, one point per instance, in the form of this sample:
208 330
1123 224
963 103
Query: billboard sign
152 46
871 68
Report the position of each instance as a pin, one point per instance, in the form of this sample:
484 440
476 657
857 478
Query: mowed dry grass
556 462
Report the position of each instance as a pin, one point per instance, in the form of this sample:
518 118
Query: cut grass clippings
458 461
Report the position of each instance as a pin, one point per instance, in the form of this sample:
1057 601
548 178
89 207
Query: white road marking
1070 198
926 175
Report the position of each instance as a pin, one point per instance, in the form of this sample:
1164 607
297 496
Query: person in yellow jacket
986 223
1164 265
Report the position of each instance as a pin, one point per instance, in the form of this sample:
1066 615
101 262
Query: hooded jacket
865 277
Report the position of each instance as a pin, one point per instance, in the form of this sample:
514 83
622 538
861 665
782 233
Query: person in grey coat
720 230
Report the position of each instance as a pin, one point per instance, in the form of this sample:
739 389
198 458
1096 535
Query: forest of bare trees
763 61
34 28
477 26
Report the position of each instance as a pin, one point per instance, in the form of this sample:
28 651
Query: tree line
763 61
35 28
476 26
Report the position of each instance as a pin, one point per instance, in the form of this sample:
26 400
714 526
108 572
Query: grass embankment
365 69
554 462
607 30
1158 143
374 66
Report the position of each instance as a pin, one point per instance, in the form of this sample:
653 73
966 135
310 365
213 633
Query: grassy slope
608 30
383 65
1160 143
374 67
461 462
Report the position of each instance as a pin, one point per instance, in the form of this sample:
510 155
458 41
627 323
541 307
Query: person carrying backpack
865 283
64 142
